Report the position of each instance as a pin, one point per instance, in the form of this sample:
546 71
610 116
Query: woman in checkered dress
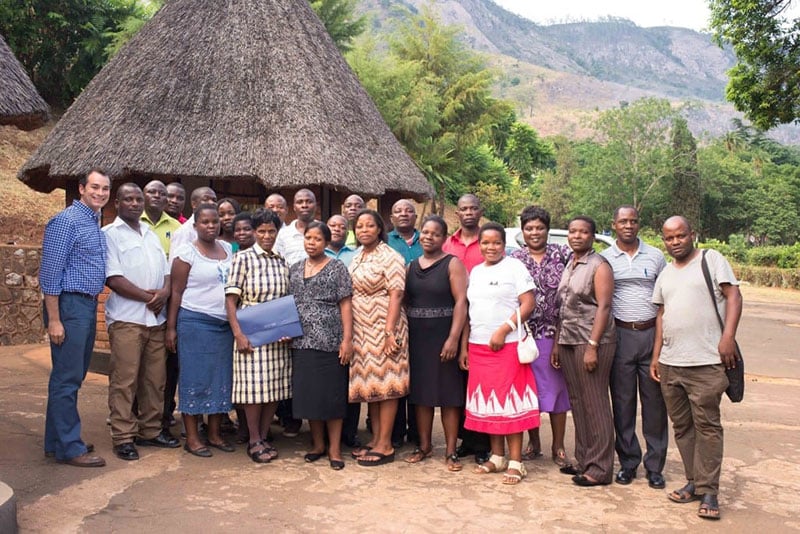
261 375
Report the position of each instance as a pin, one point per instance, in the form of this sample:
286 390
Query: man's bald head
202 195
678 238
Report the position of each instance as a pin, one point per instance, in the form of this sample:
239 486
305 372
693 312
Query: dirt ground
169 490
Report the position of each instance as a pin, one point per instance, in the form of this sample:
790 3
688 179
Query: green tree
340 20
765 83
436 96
685 194
525 153
555 184
62 44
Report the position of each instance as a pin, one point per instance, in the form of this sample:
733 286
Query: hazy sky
684 13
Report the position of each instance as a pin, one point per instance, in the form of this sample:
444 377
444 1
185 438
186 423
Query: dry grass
23 211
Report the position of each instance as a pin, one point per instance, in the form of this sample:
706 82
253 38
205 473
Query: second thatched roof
229 89
20 104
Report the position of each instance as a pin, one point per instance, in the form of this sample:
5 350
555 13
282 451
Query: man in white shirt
136 272
186 233
289 243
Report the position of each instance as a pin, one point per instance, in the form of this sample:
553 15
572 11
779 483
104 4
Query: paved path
171 491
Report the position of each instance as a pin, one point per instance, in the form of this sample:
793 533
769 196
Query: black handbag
735 391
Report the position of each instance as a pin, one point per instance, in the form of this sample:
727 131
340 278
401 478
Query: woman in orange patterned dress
379 367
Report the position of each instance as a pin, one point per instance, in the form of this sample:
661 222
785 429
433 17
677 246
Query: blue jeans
62 427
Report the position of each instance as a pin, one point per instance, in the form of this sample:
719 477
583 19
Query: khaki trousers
138 370
692 396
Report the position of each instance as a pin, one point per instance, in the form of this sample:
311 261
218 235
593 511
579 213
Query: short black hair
497 227
532 213
265 216
203 207
438 220
378 220
83 180
625 207
322 227
586 219
243 216
232 201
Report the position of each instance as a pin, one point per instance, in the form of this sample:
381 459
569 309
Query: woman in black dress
322 291
436 300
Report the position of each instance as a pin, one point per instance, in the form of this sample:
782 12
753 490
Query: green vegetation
63 44
765 83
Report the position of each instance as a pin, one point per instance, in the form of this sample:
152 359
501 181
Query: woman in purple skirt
545 262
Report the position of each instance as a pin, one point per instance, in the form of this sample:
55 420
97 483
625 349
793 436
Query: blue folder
270 321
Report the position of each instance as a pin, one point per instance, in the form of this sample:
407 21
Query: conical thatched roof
229 89
20 104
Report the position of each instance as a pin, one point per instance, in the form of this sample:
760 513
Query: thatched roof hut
20 104
229 90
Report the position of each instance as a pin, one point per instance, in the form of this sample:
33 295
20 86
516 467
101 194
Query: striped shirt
634 279
73 252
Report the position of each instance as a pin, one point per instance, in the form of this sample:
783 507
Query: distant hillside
561 73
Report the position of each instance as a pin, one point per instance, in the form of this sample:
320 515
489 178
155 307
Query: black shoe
126 451
163 440
625 476
481 457
656 480
396 444
580 480
464 450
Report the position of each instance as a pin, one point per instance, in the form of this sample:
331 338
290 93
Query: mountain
559 75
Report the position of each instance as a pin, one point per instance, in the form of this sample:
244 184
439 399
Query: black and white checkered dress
264 375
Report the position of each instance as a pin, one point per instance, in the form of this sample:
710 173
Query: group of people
407 321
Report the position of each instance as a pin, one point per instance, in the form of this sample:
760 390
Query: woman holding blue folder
261 375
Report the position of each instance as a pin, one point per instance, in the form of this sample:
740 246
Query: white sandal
512 479
498 463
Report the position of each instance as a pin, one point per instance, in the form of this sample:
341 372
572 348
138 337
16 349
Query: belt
86 296
636 325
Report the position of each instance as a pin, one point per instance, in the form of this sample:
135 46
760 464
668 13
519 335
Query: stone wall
20 298
21 301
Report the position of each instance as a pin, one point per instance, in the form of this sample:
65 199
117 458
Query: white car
514 239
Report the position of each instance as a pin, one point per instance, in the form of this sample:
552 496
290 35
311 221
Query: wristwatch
593 343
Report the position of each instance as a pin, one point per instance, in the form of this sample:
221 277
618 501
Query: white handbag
527 351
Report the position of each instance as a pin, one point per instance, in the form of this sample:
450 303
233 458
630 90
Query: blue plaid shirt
73 252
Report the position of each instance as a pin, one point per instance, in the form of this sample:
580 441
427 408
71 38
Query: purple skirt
550 384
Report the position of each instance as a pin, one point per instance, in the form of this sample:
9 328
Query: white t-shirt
205 288
691 328
140 259
183 235
493 295
290 243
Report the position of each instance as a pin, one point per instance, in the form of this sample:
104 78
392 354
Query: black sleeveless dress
430 313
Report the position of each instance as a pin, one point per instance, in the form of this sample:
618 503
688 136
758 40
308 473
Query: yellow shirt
164 228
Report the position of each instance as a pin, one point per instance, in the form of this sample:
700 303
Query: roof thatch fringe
20 104
229 89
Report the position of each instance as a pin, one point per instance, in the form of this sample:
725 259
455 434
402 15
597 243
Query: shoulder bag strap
710 285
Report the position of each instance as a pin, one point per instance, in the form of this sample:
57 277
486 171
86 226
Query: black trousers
630 373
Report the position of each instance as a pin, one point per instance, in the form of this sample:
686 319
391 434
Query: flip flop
684 495
359 452
418 455
381 459
560 458
453 463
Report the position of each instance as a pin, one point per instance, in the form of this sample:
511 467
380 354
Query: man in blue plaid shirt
71 276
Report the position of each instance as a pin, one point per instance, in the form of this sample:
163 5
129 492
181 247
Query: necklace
310 269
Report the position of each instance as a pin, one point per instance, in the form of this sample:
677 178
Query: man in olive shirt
155 215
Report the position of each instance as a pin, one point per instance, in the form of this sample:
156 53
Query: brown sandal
418 455
453 463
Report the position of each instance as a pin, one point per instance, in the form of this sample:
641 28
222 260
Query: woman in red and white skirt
501 392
